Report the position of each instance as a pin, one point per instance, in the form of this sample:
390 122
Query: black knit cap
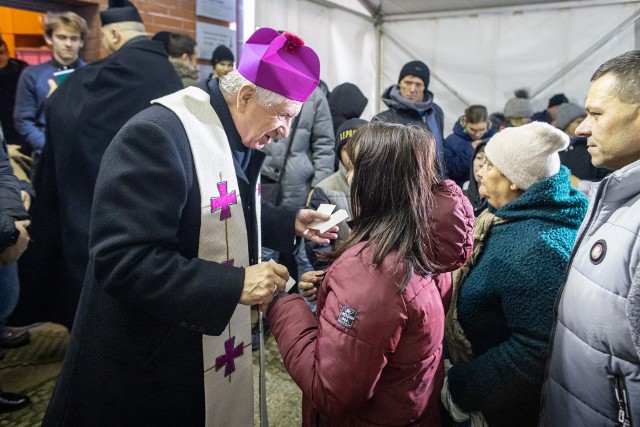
557 99
120 11
418 69
222 53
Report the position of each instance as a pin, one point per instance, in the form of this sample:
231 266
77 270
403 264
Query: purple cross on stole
230 353
224 201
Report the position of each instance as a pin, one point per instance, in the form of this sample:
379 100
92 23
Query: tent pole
380 55
597 45
518 8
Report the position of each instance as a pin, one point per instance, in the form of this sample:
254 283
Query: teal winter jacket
506 302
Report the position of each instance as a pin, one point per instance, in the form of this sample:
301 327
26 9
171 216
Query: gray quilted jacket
593 377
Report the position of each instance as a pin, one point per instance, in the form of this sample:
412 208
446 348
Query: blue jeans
9 291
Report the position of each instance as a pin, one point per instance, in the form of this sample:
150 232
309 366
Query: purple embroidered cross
224 201
227 359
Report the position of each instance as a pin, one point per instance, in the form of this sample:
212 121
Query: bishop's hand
263 281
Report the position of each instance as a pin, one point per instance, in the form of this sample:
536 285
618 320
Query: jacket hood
551 199
459 131
347 101
392 99
452 227
185 69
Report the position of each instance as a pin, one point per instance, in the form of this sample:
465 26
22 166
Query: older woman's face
495 187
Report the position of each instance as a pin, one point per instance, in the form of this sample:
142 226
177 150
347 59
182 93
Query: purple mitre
280 63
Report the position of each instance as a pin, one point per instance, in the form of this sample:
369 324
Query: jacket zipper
620 391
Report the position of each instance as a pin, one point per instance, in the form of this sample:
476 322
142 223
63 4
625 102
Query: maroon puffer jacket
373 357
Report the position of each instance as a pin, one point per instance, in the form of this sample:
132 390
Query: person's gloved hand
457 414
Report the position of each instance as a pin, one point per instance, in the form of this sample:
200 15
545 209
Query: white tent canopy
478 51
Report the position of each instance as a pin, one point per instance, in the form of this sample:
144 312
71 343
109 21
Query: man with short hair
411 102
83 116
162 332
65 32
592 375
183 55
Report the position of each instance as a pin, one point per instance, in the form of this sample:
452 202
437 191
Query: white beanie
527 154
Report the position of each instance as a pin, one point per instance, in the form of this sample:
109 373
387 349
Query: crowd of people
473 283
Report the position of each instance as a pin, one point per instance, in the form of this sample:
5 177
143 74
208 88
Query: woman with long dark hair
372 355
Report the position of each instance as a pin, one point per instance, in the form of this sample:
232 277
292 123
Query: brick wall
157 15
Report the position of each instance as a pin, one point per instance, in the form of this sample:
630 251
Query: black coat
11 207
83 116
135 356
578 160
9 77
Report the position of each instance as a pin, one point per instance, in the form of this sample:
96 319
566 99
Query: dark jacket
578 160
11 207
346 101
505 304
83 116
9 76
372 356
542 116
400 111
458 152
135 355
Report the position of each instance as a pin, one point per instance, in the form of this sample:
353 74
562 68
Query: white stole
228 364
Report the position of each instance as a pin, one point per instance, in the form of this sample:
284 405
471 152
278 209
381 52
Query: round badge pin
598 251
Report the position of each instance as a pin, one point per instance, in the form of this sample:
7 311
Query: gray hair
128 27
231 84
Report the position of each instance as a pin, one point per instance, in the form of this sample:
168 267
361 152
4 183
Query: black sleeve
137 232
11 207
10 200
278 227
